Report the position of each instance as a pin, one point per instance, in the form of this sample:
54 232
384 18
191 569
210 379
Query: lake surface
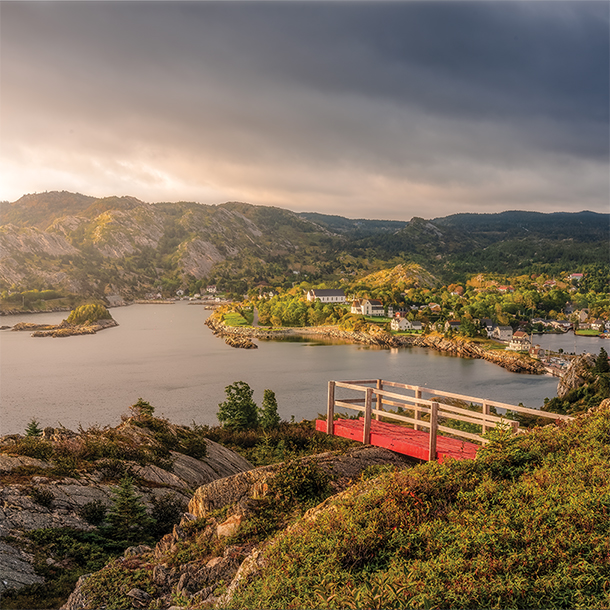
167 356
571 343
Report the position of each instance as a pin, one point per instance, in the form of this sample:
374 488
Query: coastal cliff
462 347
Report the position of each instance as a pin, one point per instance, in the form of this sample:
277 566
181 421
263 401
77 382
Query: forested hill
97 246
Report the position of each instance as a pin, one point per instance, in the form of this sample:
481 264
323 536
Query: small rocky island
84 320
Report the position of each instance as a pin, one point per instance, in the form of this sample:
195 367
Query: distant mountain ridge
122 245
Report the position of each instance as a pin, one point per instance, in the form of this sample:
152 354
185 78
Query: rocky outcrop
238 489
33 496
194 559
241 342
64 328
578 373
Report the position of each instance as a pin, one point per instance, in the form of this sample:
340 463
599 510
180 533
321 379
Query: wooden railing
376 399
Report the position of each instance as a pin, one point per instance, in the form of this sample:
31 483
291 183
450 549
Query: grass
234 318
523 526
587 333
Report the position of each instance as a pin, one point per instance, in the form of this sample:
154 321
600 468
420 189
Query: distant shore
464 348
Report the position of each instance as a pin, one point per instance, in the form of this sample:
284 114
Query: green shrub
93 512
33 446
88 314
166 512
127 518
269 417
239 411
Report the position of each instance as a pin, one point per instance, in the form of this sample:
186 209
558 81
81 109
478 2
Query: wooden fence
427 414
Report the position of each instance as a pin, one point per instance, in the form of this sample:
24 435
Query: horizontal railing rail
376 400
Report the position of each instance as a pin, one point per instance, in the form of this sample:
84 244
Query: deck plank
401 439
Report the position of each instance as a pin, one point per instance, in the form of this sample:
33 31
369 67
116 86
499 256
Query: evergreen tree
33 429
142 409
127 517
239 411
601 363
269 417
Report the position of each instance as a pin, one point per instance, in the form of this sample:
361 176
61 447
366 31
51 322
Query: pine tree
269 417
239 411
601 362
127 518
33 429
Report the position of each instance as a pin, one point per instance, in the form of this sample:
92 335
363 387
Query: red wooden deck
402 440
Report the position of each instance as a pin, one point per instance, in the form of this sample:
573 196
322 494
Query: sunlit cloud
373 110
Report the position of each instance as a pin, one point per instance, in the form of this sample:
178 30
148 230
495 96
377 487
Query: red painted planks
402 440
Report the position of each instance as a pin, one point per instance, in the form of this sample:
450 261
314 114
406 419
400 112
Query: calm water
166 355
571 343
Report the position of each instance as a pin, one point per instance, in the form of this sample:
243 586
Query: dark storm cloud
358 108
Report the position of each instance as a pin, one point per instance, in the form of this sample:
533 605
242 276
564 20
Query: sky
362 109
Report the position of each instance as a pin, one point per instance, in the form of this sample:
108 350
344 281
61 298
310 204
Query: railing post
379 404
330 410
417 411
433 431
485 412
368 402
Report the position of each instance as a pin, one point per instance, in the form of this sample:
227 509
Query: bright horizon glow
358 109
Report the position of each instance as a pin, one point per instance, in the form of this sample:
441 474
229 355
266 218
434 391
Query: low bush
93 512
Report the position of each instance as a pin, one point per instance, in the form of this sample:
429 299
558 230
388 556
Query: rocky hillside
74 476
521 526
123 245
226 526
120 245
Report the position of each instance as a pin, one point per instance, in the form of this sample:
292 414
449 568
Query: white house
401 323
520 342
326 295
502 333
368 307
372 307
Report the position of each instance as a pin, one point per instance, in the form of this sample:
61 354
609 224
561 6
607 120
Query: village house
372 307
575 276
598 324
401 323
211 289
326 295
520 342
487 324
537 352
502 333
434 307
562 325
368 307
452 325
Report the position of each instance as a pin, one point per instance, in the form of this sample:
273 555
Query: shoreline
463 348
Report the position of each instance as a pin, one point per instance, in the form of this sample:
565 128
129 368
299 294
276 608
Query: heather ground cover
524 526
